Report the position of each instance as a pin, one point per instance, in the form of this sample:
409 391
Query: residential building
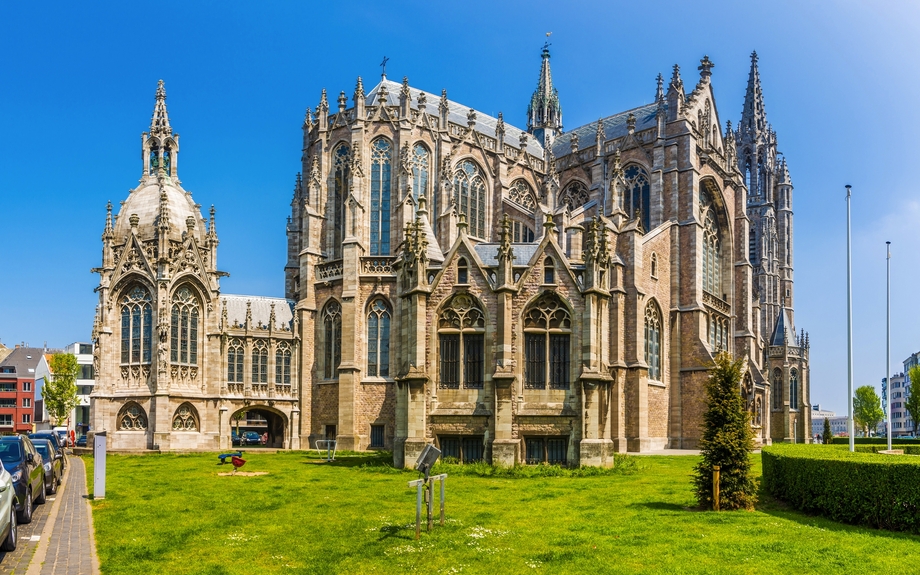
17 388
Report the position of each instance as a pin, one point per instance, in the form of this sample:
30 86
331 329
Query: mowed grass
173 514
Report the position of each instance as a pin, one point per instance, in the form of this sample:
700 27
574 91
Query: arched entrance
258 426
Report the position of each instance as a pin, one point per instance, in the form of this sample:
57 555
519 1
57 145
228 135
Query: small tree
913 399
828 434
60 390
867 409
727 439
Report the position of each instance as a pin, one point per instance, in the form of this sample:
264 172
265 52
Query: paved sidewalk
16 562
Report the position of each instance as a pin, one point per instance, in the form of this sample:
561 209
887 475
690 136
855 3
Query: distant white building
79 419
818 415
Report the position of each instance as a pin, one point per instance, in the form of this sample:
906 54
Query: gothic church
518 296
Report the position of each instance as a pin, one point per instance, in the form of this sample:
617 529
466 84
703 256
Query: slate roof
522 253
784 330
23 359
261 310
614 127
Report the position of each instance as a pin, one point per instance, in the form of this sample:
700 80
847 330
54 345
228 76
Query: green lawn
173 514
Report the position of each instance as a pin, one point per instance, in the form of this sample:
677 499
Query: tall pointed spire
544 114
754 116
159 125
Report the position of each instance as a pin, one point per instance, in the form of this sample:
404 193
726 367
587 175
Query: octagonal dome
144 201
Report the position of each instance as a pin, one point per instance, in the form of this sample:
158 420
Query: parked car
18 456
51 463
8 531
58 446
251 438
63 436
234 438
81 441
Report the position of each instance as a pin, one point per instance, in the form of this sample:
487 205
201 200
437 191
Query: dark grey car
51 462
18 456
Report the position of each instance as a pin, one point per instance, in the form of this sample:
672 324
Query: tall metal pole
850 423
888 349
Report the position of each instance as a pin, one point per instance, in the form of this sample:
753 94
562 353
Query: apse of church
518 296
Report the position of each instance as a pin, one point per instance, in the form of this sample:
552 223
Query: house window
283 364
470 197
184 327
712 259
86 372
27 402
260 361
547 329
552 450
136 326
86 349
332 327
637 195
380 197
341 175
235 354
461 330
26 386
6 420
7 401
8 386
464 448
378 339
377 435
777 389
793 389
653 341
27 418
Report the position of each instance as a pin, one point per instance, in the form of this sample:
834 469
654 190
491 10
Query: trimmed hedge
908 449
874 441
860 488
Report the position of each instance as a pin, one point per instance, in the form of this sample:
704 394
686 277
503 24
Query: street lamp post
850 423
888 346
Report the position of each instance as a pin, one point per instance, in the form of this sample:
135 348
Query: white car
8 531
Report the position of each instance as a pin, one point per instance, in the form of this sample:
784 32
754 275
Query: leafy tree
727 439
828 434
60 390
867 409
913 398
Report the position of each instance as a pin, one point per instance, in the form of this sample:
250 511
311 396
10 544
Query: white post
99 465
888 349
850 424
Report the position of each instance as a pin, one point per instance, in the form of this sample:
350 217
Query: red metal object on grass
237 462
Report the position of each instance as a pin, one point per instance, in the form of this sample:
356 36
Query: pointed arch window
341 170
718 332
381 152
777 389
132 417
712 255
547 334
259 361
378 339
235 354
167 160
421 160
154 162
332 340
283 364
549 271
185 418
521 194
793 389
470 197
184 327
136 326
575 195
463 272
653 341
637 195
654 265
461 331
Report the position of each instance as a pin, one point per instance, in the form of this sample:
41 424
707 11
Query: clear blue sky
840 82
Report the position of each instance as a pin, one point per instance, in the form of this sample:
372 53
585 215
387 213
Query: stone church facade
518 296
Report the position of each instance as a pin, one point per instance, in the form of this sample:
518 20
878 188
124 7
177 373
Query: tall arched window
154 162
461 331
575 195
184 327
549 271
712 256
777 389
718 332
470 197
259 361
283 364
235 354
637 195
132 417
521 194
341 170
136 326
463 272
332 340
420 163
167 160
185 418
547 332
653 341
654 265
793 389
380 197
378 339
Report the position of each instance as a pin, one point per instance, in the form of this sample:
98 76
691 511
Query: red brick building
18 388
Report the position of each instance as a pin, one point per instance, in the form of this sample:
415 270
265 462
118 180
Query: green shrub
860 488
875 441
908 449
622 464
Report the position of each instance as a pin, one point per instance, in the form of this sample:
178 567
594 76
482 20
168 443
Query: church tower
544 114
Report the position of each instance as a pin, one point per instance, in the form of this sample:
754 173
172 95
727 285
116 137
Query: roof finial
159 124
659 92
383 68
705 68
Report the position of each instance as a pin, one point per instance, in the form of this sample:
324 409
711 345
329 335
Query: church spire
544 114
159 124
753 117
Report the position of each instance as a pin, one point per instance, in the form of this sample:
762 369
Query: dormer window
463 276
549 271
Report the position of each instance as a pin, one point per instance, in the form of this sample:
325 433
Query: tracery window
637 194
521 233
136 326
341 170
283 364
259 361
470 197
461 331
420 163
521 194
718 332
793 389
758 413
653 341
235 354
185 418
184 327
380 197
712 257
378 339
575 195
777 389
132 417
332 341
547 332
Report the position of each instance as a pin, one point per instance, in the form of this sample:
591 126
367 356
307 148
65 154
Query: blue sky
840 83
